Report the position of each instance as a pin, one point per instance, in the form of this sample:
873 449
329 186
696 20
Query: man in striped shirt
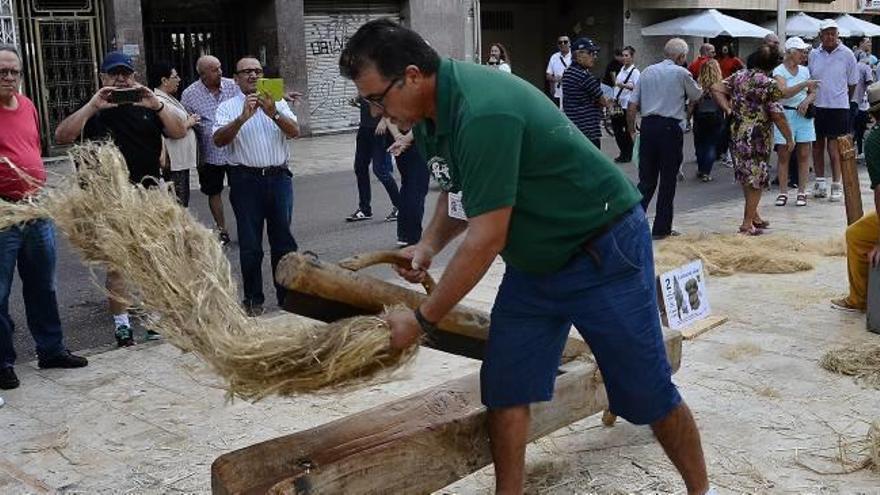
202 98
254 131
583 100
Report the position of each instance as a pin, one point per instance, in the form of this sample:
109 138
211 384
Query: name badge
456 207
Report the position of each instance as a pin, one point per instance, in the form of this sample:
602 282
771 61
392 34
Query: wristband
161 107
429 328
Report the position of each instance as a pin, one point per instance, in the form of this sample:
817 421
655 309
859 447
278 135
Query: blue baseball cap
585 44
116 59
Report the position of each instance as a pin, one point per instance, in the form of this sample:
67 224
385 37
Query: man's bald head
707 50
210 71
772 40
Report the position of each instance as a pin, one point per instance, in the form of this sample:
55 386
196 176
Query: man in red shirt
30 246
707 51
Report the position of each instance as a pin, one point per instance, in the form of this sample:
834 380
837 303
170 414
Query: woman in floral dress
751 96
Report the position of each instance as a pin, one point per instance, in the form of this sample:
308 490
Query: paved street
324 192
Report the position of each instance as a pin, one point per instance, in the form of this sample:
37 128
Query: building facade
63 41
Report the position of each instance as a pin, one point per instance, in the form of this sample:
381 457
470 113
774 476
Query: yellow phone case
271 87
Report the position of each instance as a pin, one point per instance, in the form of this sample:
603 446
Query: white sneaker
2 402
836 192
820 190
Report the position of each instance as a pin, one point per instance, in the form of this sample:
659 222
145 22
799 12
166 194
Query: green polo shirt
501 142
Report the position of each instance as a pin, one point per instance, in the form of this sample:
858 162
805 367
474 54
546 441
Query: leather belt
263 171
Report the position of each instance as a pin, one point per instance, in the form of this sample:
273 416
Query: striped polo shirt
259 142
582 91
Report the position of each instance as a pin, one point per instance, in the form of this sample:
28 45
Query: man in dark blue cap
134 119
583 100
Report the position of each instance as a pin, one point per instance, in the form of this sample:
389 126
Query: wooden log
417 444
361 292
852 191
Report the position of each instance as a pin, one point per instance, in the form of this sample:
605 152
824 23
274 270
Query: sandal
752 231
761 224
781 200
801 200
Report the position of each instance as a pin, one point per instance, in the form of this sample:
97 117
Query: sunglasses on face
562 42
119 72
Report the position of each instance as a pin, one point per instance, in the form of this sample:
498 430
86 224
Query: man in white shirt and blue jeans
254 130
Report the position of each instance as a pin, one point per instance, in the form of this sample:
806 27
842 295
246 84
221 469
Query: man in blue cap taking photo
132 117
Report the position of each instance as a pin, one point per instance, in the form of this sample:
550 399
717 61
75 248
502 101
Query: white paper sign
132 50
456 207
684 295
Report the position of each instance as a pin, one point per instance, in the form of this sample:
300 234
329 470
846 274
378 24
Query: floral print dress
754 95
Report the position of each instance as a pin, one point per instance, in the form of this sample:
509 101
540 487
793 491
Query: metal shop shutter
328 25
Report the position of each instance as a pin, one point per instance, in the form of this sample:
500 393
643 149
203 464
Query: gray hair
771 38
12 49
706 48
676 47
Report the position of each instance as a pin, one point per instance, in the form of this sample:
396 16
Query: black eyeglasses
378 101
119 72
256 72
10 72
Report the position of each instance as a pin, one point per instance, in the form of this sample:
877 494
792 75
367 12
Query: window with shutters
7 23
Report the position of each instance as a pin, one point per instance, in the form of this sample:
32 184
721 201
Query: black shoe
358 216
63 360
254 310
223 237
660 237
124 336
8 380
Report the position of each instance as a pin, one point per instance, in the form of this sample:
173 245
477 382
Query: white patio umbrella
805 26
707 24
856 26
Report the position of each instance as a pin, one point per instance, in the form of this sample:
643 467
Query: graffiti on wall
329 93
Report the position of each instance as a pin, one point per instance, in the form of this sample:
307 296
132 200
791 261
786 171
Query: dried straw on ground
861 361
724 255
183 277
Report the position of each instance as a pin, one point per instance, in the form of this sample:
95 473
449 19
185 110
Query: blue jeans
257 200
708 131
32 247
611 300
372 148
414 177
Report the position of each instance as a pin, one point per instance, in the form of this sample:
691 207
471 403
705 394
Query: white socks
121 320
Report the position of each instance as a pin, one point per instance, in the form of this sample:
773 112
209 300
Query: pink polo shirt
20 143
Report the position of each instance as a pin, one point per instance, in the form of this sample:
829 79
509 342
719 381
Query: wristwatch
277 116
429 328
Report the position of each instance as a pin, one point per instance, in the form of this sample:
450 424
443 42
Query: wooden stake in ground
852 193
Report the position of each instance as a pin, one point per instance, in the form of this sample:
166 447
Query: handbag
811 111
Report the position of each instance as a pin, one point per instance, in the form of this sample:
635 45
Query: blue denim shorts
612 303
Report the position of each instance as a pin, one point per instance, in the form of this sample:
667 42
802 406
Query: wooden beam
852 190
702 326
326 285
417 444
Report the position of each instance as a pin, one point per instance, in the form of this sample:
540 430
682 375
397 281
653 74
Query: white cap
795 43
827 24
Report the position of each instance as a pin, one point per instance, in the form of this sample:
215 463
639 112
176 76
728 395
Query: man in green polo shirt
520 180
